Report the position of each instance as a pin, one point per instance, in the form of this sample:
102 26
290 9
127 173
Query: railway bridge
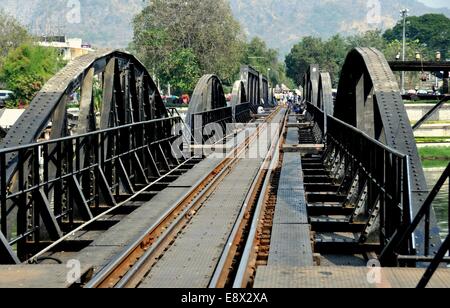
131 195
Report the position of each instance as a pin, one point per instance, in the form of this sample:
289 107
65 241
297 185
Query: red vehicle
186 99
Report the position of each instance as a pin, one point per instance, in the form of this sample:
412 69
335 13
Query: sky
436 3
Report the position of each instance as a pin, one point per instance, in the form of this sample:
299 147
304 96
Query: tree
181 70
262 58
12 35
335 51
433 30
204 28
306 52
329 55
372 39
27 68
394 48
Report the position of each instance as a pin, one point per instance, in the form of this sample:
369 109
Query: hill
282 23
107 23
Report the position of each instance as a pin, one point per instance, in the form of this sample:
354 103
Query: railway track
255 251
60 251
132 266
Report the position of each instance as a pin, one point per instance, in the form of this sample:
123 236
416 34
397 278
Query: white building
8 117
71 48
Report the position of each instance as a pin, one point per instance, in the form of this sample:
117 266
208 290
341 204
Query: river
441 203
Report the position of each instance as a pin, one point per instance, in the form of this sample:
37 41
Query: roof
8 117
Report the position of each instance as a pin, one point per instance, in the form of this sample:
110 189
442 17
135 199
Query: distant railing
48 189
204 125
242 113
319 120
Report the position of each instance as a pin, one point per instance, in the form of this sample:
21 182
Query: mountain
104 23
281 23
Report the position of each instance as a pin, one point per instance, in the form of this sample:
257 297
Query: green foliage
418 102
12 35
394 48
180 41
306 52
97 95
265 60
73 105
181 69
329 55
335 51
433 30
438 153
27 68
172 31
433 139
434 163
372 39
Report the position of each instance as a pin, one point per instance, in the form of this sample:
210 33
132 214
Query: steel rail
129 267
95 219
222 271
241 278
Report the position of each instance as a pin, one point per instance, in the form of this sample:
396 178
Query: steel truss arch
325 100
116 73
239 94
311 84
208 95
59 171
369 99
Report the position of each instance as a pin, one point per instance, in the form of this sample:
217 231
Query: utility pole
404 14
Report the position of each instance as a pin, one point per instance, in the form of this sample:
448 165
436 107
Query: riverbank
418 110
440 204
435 153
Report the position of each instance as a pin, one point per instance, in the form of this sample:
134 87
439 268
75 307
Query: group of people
293 100
286 98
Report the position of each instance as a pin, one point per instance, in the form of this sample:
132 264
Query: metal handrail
317 111
56 178
220 116
407 233
85 135
386 170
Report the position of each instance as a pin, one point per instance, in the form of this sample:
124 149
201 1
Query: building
8 117
71 48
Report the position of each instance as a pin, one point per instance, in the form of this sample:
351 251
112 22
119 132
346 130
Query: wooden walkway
346 277
40 276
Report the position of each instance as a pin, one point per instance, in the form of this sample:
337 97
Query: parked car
422 92
171 100
4 96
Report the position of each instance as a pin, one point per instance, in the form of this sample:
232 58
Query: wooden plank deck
38 276
345 277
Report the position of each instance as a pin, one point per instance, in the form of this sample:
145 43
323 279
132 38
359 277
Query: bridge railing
423 218
49 188
204 125
386 174
242 112
319 119
380 174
